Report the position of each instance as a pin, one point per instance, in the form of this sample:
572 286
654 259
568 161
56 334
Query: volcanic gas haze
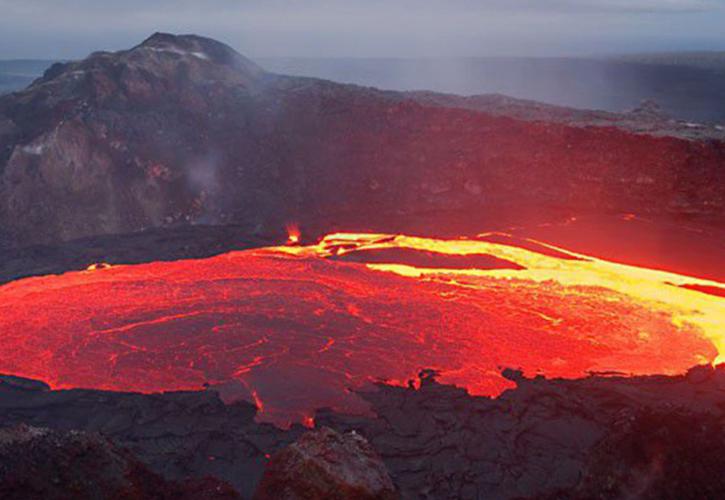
295 328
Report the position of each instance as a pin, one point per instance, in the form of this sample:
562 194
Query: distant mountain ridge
712 60
690 86
183 130
689 90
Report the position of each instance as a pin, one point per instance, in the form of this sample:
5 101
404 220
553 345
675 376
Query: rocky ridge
182 130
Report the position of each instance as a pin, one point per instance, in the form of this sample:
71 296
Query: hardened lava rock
325 464
655 454
39 463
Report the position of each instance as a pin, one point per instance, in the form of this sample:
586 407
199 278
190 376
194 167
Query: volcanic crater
424 236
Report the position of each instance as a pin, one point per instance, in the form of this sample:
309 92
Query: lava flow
294 328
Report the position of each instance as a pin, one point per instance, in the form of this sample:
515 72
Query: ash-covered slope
183 130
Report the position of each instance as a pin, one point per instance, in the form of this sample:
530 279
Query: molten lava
294 328
98 266
293 234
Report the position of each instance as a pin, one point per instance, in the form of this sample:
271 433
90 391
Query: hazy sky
362 28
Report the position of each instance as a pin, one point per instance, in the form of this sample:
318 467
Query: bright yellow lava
701 310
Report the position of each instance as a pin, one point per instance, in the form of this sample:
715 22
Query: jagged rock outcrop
122 141
325 464
182 130
44 464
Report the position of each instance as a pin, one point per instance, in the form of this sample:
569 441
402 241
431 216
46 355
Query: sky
65 29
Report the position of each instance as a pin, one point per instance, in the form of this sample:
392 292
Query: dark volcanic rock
182 130
324 464
177 435
43 464
20 383
540 438
647 118
123 141
587 438
156 244
657 455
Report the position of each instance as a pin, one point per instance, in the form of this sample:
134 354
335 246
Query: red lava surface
295 328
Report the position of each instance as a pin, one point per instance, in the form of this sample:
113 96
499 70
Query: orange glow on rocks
294 328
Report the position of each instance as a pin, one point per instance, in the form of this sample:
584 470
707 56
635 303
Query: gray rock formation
182 130
323 465
44 464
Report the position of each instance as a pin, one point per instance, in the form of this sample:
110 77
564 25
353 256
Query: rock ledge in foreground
327 464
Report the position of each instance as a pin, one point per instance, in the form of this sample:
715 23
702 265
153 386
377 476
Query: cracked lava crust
295 328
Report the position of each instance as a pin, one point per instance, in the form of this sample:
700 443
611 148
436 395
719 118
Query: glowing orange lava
98 266
293 328
293 234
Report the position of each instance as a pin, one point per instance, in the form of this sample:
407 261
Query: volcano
182 130
486 288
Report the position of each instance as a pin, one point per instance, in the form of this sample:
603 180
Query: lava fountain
294 328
